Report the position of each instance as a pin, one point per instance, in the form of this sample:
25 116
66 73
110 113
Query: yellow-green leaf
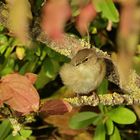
122 115
99 132
108 9
115 135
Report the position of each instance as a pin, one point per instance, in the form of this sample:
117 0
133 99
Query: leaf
116 135
97 119
20 52
5 128
62 121
42 79
7 67
87 14
38 4
29 66
48 72
18 92
51 68
1 27
82 120
74 8
55 107
11 45
25 133
109 126
103 88
3 39
99 132
19 16
32 77
108 9
55 15
3 48
17 137
122 115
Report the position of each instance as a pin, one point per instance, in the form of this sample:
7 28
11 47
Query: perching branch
106 99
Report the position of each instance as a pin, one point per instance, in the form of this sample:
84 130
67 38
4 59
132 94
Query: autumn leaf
55 107
31 76
87 14
62 122
54 16
18 92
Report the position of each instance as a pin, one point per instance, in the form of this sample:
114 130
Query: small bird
84 73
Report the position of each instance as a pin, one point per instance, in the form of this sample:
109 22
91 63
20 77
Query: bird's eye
86 59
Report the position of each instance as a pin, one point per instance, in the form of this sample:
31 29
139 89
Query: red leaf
32 77
55 14
87 14
18 92
55 107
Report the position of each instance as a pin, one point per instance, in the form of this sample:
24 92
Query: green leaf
42 79
17 137
29 66
3 39
30 54
48 72
38 4
24 68
11 46
99 132
122 115
5 129
8 66
109 126
38 51
25 133
1 27
44 53
103 88
51 67
97 119
3 48
107 8
116 134
82 120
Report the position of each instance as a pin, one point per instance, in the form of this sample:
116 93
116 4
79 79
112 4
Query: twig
106 99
